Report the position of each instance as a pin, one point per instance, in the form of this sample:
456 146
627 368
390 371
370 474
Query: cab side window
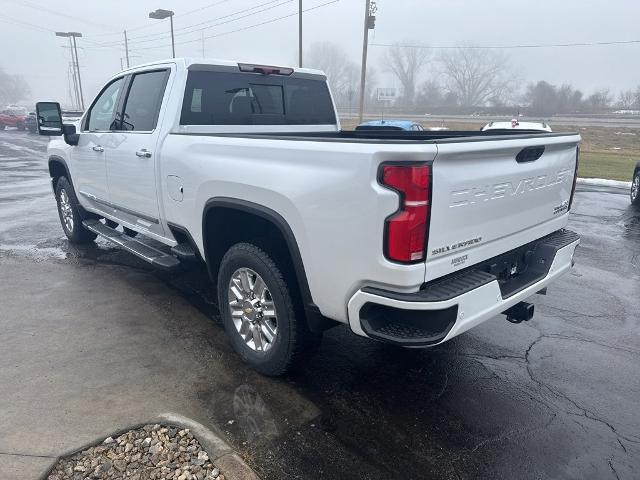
143 102
101 115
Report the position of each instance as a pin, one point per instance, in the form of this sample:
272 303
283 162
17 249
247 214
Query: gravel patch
148 453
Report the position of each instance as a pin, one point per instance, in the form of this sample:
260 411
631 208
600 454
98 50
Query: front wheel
69 214
635 189
258 313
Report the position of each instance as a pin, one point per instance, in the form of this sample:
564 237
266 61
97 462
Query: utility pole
72 37
369 24
161 14
74 95
300 33
126 47
75 50
202 32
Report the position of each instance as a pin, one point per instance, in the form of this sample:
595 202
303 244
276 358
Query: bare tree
13 88
600 100
478 77
627 99
406 63
342 73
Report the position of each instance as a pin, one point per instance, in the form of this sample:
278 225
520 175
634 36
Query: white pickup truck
410 238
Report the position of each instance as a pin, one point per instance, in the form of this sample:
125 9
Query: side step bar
155 257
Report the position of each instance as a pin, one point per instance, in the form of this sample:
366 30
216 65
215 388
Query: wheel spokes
252 309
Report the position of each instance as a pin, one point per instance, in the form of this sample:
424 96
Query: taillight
406 231
575 177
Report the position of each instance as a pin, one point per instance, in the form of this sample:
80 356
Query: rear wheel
635 188
258 311
69 214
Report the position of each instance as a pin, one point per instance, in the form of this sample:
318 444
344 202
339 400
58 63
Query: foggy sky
38 54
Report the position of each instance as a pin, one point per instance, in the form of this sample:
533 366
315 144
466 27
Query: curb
231 465
603 182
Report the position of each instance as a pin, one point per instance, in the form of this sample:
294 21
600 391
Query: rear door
131 155
491 196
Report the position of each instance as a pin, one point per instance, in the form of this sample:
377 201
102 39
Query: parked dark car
31 123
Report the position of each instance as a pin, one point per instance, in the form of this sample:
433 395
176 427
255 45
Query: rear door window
216 98
143 102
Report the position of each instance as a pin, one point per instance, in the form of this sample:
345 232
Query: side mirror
70 135
49 118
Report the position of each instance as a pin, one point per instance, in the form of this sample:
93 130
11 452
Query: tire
2 127
69 214
21 127
291 338
635 188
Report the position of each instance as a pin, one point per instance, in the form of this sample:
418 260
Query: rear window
215 98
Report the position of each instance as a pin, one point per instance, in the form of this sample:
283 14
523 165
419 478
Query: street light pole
161 14
300 33
173 43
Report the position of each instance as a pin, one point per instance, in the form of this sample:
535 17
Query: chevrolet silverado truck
410 238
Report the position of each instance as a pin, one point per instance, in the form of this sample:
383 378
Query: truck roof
186 62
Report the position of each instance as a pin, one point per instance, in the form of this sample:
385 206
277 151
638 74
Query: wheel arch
219 208
58 168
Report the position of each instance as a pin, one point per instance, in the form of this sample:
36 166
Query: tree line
461 80
13 88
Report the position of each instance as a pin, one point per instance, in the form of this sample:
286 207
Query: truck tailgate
492 196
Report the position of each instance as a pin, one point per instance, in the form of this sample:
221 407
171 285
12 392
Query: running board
155 257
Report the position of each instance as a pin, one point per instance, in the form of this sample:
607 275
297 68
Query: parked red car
13 117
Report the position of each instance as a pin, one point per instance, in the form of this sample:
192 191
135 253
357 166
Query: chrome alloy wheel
252 310
65 210
635 188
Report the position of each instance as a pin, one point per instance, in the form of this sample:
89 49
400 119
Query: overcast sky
30 48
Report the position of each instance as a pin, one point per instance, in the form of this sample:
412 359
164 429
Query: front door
88 157
131 157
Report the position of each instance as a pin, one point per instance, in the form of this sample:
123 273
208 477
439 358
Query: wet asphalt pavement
557 397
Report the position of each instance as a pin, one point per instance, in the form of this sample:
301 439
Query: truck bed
393 136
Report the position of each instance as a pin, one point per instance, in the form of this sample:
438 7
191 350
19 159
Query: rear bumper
450 306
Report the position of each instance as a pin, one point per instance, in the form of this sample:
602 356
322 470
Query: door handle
98 148
143 153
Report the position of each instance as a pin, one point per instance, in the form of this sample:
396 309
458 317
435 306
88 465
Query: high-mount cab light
265 69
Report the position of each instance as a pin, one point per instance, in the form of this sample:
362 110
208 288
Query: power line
40 8
190 29
4 18
510 47
219 23
241 29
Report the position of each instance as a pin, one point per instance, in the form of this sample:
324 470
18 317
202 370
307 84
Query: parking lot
93 341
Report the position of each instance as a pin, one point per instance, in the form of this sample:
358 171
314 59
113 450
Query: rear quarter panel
326 191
